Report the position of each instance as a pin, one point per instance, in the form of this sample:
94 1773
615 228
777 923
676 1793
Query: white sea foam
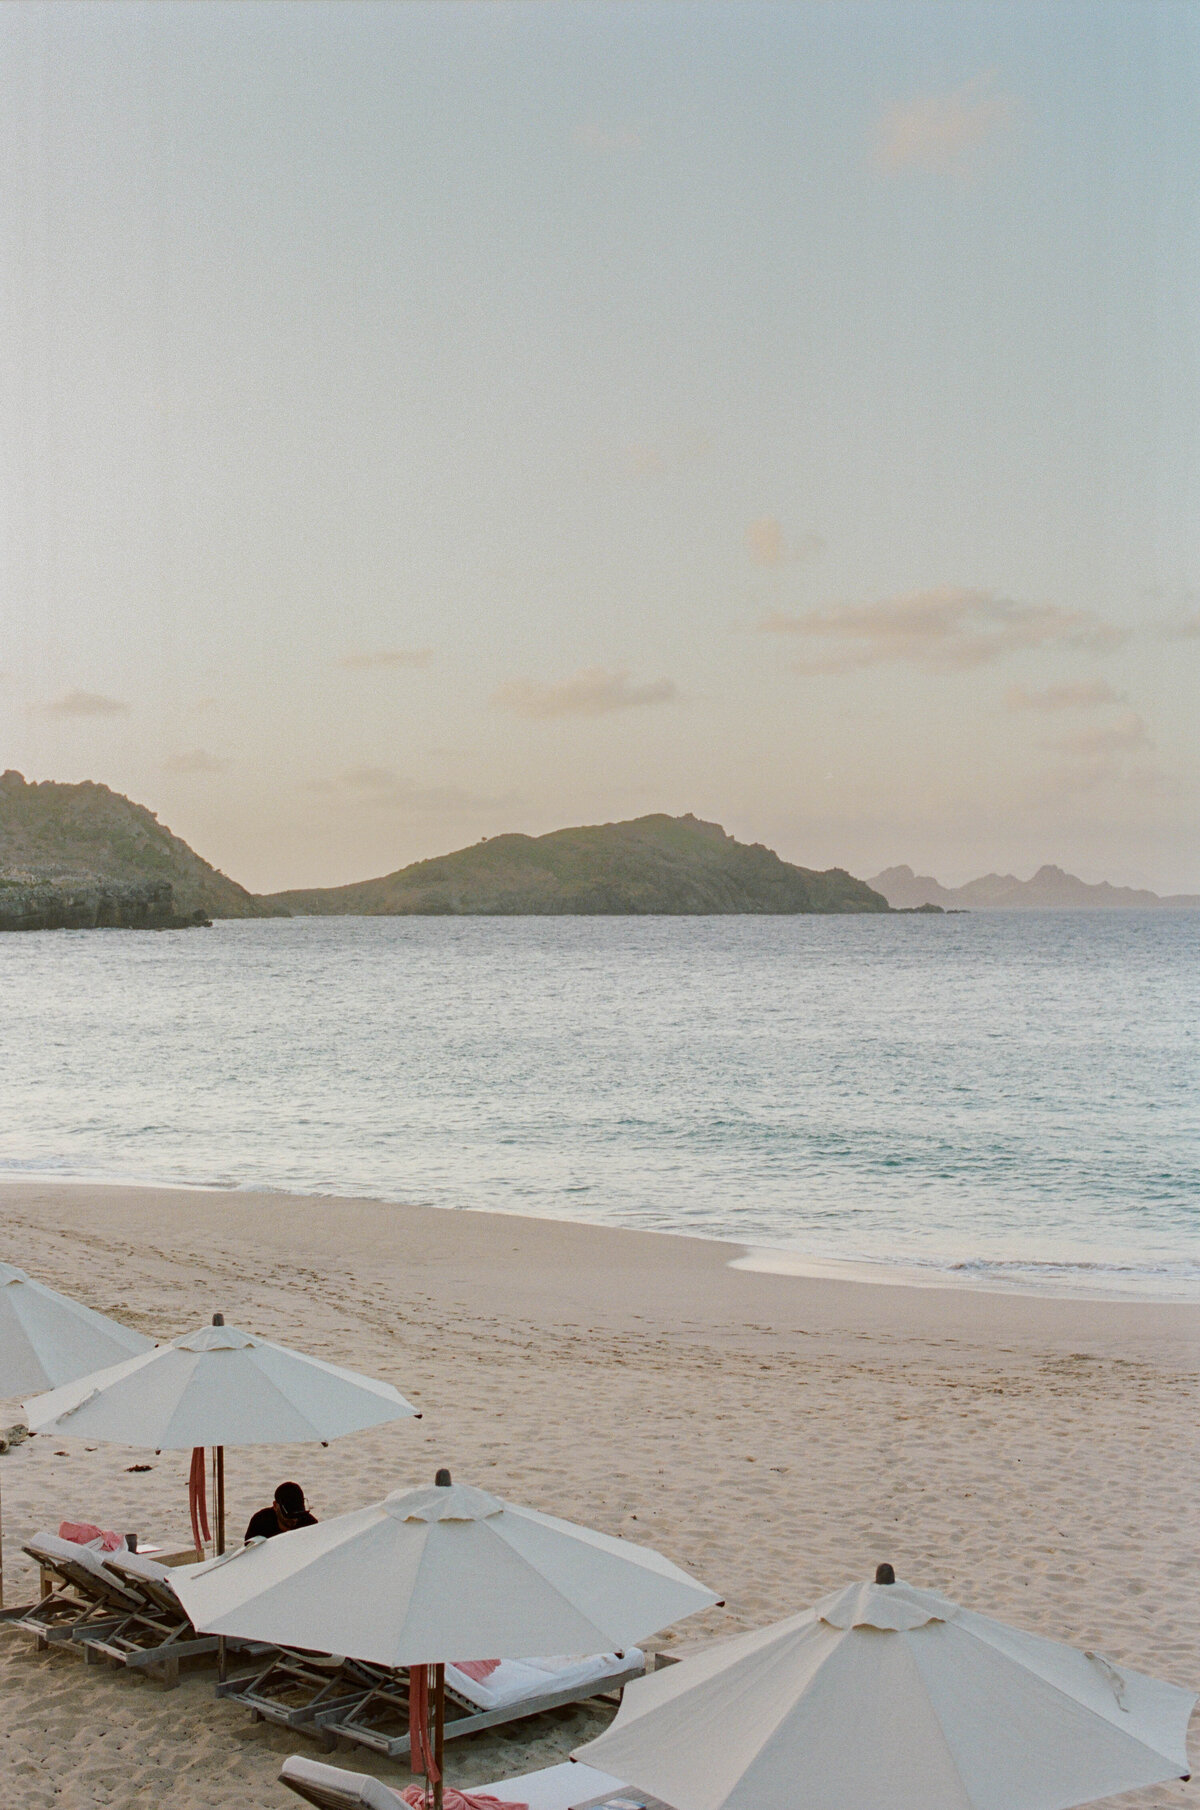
1117 1279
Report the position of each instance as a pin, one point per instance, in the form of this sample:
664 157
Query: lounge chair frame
73 1598
379 1718
294 1687
146 1642
154 1637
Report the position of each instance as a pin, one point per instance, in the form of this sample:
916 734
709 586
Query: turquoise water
995 1097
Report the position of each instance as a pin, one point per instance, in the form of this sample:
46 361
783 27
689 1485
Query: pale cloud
85 703
194 760
387 656
593 692
1104 759
1127 733
673 452
644 461
942 133
1087 694
383 788
1102 773
769 546
945 630
608 138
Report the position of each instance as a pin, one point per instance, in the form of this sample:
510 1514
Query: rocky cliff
668 865
84 839
84 905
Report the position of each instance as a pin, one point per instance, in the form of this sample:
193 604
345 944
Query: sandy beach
778 1435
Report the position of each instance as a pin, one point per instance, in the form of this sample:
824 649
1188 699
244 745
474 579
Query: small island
670 866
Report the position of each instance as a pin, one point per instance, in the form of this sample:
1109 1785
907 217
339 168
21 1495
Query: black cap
290 1498
884 1574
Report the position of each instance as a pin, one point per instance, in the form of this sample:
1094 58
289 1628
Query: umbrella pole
1 1554
219 1502
439 1730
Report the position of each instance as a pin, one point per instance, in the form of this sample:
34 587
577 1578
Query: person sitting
287 1511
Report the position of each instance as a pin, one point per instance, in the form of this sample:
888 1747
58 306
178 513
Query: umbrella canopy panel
439 1574
218 1386
47 1339
894 1697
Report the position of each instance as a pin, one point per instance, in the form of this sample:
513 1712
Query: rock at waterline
140 905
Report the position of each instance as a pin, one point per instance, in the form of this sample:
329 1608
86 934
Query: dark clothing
265 1524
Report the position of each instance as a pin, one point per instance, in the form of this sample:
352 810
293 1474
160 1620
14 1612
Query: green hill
67 836
668 865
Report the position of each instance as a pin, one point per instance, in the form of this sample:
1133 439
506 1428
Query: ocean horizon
989 1100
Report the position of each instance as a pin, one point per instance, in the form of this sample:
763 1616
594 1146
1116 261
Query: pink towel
476 1669
82 1533
197 1499
459 1800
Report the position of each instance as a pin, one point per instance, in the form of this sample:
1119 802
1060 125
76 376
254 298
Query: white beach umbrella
897 1699
218 1386
431 1575
47 1339
447 1573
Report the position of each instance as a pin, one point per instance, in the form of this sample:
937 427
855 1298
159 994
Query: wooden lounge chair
156 1634
553 1788
378 1718
78 1592
294 1687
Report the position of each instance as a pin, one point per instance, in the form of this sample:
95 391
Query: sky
422 421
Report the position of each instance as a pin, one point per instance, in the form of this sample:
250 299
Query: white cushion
138 1565
516 1679
335 1789
554 1787
49 1546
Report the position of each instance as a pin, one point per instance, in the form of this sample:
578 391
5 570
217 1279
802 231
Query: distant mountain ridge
649 865
108 860
72 836
1050 889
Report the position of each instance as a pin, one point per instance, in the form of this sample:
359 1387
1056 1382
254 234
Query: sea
987 1100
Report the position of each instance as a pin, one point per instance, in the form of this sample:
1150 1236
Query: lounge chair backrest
317 1662
80 1566
52 1549
101 1583
136 1564
332 1789
151 1580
